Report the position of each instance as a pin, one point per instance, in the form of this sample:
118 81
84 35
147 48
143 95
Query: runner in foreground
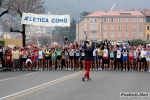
88 49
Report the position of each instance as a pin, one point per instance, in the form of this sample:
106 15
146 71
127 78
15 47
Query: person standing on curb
88 50
15 57
1 56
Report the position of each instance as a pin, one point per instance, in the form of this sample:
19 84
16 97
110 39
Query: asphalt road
67 85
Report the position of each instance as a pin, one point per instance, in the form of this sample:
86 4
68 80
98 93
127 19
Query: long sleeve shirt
88 51
15 54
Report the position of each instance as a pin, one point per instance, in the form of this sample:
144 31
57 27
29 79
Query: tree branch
11 30
20 13
4 12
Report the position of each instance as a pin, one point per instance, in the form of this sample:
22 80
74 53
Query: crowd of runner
71 57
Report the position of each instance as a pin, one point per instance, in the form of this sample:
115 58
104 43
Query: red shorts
105 57
130 57
32 58
8 61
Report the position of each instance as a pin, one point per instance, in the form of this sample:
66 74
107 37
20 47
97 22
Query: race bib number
83 54
66 53
77 54
71 54
15 55
40 56
130 54
53 54
8 57
47 55
124 54
1 50
118 55
58 53
24 56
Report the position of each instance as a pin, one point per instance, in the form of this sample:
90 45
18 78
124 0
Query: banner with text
45 20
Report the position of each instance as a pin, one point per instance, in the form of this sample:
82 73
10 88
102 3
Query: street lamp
85 34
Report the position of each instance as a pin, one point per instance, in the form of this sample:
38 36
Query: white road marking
7 79
38 86
17 77
30 74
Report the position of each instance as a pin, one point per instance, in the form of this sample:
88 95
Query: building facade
112 25
146 12
7 35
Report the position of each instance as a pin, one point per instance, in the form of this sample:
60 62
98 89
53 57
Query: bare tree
6 6
17 7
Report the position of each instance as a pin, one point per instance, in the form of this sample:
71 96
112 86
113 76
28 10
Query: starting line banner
45 20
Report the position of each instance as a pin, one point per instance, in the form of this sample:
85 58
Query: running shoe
83 78
89 79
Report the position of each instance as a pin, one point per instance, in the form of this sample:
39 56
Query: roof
115 13
146 12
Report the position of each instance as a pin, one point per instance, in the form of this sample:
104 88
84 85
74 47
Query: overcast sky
75 7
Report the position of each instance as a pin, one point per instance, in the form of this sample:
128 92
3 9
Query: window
105 27
112 34
148 28
134 35
112 19
93 27
141 27
141 35
93 30
133 27
148 37
112 27
119 19
105 34
126 19
133 19
126 35
140 19
119 35
148 20
93 20
126 27
93 34
119 27
105 19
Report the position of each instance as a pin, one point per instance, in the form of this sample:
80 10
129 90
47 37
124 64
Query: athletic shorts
94 58
143 60
58 57
36 59
118 59
124 58
71 57
112 58
66 57
135 59
40 59
99 57
24 59
46 58
105 61
82 58
77 57
8 61
20 59
130 58
148 59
